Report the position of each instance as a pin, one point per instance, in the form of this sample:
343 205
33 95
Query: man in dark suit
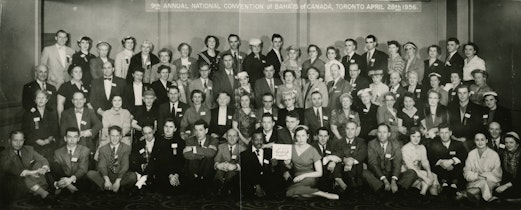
496 140
447 158
384 163
112 170
325 147
41 74
466 118
161 85
374 59
173 109
336 87
257 178
142 154
199 153
254 63
103 89
453 62
23 170
352 152
226 78
82 118
96 64
134 92
287 133
352 58
357 82
267 107
221 117
316 116
267 84
274 56
227 164
268 129
71 163
237 56
395 86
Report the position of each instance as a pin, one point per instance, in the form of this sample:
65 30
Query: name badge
328 152
173 145
74 159
141 151
203 113
397 95
234 157
116 157
467 115
387 155
354 85
415 117
351 116
353 147
36 119
502 146
252 115
275 118
366 110
337 91
316 89
263 61
49 92
391 120
325 117
178 110
266 161
229 117
84 90
485 116
453 93
352 61
209 88
419 90
276 87
33 109
113 84
372 59
83 122
452 153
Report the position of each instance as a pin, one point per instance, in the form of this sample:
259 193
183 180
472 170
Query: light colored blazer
316 86
57 71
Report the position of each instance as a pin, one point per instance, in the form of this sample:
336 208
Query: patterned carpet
157 201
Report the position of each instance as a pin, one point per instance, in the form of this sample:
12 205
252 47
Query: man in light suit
384 163
23 170
82 118
267 84
41 74
227 164
226 78
374 59
274 56
237 56
103 89
336 87
204 84
316 116
112 170
96 64
57 58
199 153
71 163
351 58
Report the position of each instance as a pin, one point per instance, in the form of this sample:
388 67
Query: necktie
230 77
44 86
368 57
114 151
200 143
257 152
19 155
173 110
323 150
70 153
204 84
352 81
271 86
231 151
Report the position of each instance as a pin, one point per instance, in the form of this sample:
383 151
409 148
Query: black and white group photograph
260 104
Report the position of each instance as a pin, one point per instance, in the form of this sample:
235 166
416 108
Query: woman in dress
314 60
415 158
340 117
289 86
182 83
116 116
495 112
314 84
82 57
388 115
482 171
435 115
122 61
435 65
245 120
190 63
165 57
415 88
510 187
40 126
479 87
211 55
378 88
367 112
412 60
409 116
434 81
395 62
67 89
333 56
306 165
292 62
243 89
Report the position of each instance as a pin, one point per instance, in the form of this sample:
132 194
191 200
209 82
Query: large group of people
207 124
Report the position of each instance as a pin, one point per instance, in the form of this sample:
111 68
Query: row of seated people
168 164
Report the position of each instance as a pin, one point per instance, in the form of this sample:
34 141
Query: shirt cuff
456 160
395 178
356 162
382 178
73 179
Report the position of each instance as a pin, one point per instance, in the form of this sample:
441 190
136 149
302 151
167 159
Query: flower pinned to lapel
448 63
263 61
373 60
82 55
435 64
240 57
352 61
467 115
33 109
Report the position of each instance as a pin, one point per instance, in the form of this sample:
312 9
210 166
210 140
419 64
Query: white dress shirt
138 94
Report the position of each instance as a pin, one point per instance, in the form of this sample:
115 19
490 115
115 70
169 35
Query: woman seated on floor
510 187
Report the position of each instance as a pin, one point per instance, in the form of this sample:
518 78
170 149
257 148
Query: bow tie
108 78
78 111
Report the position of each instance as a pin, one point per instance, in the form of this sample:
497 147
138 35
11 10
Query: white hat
255 41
